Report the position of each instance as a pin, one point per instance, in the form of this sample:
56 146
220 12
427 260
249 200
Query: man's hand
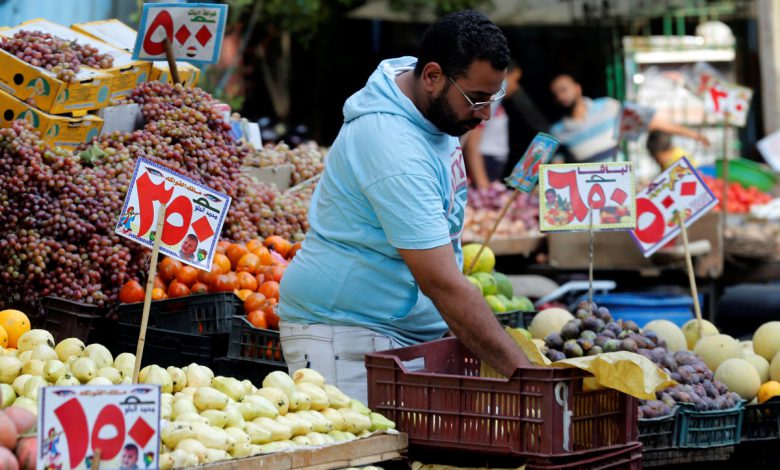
463 308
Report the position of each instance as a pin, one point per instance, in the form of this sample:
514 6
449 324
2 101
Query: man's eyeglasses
476 106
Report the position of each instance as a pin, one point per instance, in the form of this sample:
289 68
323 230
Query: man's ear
432 77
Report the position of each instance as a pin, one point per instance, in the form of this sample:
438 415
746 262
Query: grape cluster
484 207
58 209
63 58
307 159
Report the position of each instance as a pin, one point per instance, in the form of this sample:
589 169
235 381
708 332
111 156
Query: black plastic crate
68 318
171 348
762 421
194 314
658 433
516 319
254 344
243 369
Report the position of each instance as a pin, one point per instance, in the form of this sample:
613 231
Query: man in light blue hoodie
381 264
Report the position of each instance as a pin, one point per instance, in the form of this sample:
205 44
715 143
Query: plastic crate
194 314
171 348
627 457
700 429
69 319
644 307
250 343
242 369
516 319
541 412
762 421
658 433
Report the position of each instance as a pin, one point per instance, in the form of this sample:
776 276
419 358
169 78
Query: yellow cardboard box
38 86
62 131
119 35
126 72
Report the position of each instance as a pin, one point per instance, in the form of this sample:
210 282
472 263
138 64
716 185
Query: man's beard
440 113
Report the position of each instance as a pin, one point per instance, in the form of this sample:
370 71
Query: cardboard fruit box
126 73
61 131
42 89
119 35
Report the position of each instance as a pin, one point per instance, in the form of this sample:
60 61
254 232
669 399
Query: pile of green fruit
494 286
499 294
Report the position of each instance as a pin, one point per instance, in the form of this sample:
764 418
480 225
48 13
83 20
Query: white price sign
195 31
728 100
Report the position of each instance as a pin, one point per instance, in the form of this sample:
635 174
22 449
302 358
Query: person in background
659 144
486 148
588 126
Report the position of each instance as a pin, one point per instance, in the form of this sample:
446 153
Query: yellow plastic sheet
624 371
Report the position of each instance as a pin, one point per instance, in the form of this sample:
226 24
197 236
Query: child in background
659 144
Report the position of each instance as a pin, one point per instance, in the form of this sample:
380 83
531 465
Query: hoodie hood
382 95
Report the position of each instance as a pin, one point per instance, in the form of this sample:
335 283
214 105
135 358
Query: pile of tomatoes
740 198
252 271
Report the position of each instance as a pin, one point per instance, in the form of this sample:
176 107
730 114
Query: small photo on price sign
569 195
121 421
193 218
679 192
526 173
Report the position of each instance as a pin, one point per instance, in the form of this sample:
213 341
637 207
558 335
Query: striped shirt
592 139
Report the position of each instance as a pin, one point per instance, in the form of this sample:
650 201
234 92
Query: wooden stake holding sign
673 201
139 351
171 62
587 197
524 177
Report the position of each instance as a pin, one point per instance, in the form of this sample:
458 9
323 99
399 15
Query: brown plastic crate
627 457
541 412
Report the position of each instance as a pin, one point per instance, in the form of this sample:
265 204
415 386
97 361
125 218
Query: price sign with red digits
569 195
526 173
677 192
193 218
634 120
727 99
123 421
195 31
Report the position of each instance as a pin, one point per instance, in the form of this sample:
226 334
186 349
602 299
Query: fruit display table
371 450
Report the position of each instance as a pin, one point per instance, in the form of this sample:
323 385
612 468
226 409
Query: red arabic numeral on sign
162 20
569 180
654 231
716 95
111 415
74 426
172 234
148 193
596 197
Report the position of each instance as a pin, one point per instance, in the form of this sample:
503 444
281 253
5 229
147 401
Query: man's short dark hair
458 39
657 142
192 236
132 447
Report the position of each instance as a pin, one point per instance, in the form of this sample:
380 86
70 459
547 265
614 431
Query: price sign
195 31
677 192
570 194
526 173
193 218
122 421
727 99
634 120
